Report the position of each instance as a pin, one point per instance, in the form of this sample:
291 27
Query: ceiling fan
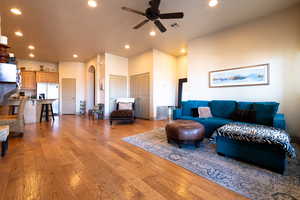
153 14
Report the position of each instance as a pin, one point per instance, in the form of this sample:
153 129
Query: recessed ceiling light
75 56
92 3
16 11
213 3
127 46
19 33
152 33
31 47
31 55
183 50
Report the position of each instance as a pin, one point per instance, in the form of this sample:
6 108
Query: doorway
68 94
182 91
117 89
91 100
140 90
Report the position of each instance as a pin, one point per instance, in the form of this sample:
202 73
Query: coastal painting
242 76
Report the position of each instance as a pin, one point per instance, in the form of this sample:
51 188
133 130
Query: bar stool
45 110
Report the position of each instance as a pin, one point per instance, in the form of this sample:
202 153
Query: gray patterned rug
248 180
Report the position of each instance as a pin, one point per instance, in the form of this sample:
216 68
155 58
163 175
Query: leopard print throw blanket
258 134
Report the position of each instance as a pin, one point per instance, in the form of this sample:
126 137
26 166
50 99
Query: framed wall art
241 76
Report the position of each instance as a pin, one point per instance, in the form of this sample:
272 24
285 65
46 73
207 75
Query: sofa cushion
222 109
212 124
265 112
191 118
187 106
217 121
245 105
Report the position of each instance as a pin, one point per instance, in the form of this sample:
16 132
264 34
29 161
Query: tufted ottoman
185 131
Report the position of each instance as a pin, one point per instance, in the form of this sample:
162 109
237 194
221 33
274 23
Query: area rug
246 179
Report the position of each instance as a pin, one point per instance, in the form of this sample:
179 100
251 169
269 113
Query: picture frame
254 75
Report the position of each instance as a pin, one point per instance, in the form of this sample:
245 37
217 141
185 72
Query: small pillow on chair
204 112
125 106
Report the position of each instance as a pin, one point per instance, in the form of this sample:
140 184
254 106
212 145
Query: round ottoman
185 131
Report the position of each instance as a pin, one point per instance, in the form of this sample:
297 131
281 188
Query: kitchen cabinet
47 77
28 80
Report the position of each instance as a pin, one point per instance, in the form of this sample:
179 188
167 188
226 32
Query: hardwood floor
77 158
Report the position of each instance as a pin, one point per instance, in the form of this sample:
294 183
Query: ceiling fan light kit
153 14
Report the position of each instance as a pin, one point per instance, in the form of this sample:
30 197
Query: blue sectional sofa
264 155
222 111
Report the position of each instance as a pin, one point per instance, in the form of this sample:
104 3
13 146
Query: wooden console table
4 132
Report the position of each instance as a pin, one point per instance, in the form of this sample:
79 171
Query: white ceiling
60 28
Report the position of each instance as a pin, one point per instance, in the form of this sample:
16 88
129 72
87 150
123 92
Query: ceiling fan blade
178 15
155 4
133 11
160 26
141 24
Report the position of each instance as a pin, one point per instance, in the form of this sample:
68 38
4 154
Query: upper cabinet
28 80
47 77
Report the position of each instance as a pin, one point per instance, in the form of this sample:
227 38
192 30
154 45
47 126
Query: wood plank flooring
77 158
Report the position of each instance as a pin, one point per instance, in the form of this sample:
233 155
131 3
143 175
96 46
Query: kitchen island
33 108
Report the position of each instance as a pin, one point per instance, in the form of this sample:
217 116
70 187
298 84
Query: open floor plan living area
150 100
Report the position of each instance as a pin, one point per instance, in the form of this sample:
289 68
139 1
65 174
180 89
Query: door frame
180 86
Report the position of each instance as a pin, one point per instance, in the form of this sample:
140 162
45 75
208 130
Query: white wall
163 72
164 80
182 67
31 65
74 70
274 40
114 65
101 84
140 64
182 71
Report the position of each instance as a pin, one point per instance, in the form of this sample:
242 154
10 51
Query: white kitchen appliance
50 91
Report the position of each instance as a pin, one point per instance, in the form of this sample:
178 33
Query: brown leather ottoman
185 131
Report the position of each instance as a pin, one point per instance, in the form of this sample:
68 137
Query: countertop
16 101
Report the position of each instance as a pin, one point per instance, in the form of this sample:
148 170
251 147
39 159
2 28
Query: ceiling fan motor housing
152 14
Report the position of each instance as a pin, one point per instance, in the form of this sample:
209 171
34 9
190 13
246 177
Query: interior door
140 90
68 96
117 89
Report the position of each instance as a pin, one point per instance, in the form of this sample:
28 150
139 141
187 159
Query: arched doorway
91 87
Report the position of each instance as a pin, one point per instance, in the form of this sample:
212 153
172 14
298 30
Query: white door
68 96
140 90
117 89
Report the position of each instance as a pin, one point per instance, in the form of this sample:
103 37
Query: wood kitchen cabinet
47 77
28 80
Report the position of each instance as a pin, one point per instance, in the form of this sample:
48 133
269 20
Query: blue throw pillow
265 112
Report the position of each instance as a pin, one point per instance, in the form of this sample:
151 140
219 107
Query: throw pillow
244 116
195 112
265 113
125 106
204 112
